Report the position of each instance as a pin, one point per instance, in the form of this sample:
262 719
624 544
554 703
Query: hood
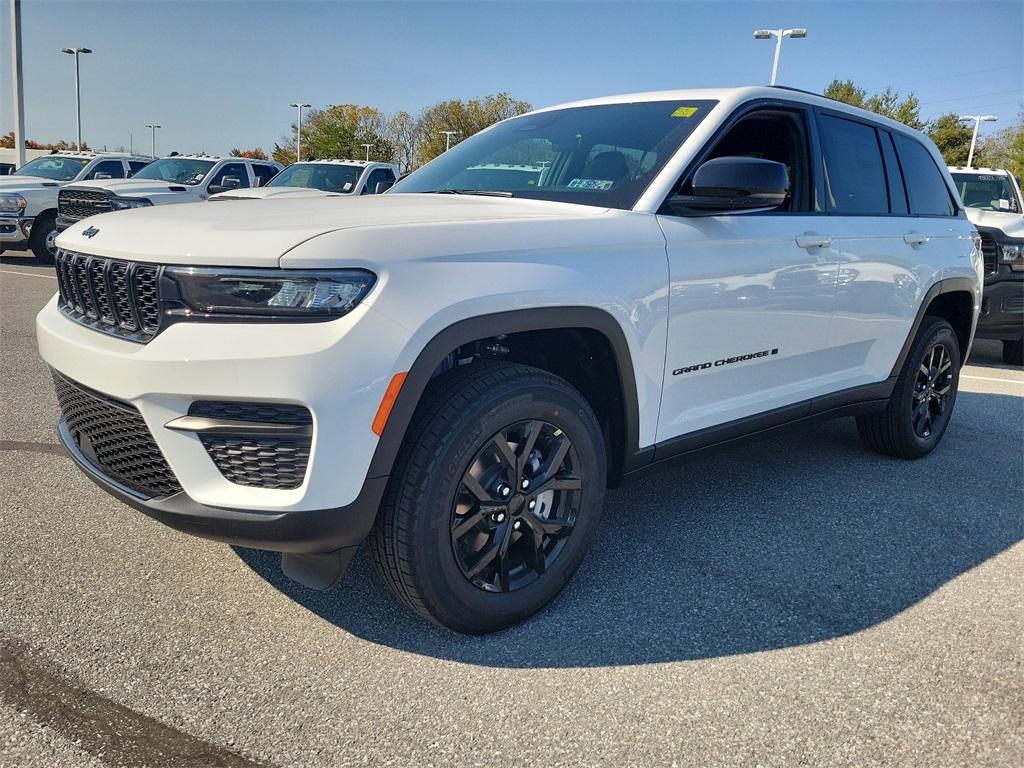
137 187
1010 224
265 193
18 183
257 233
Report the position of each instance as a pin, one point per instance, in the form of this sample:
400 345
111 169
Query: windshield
329 178
987 192
53 167
602 155
177 170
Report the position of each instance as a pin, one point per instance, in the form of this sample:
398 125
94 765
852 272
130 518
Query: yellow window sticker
685 112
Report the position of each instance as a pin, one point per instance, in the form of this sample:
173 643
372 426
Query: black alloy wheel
933 384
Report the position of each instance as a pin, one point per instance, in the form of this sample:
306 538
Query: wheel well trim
947 285
508 322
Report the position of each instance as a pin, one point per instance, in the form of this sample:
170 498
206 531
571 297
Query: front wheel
494 499
922 401
42 241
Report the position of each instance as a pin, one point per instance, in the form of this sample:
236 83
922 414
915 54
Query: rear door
894 216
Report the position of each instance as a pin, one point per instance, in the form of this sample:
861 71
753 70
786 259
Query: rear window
929 195
854 173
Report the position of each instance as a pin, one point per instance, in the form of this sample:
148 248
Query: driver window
771 135
108 169
235 170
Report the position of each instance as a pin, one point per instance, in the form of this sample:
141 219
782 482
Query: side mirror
100 176
231 182
734 185
382 187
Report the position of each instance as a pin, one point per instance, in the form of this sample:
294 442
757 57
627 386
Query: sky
219 75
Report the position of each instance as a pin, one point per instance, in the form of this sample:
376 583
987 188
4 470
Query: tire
921 404
444 511
41 240
1013 352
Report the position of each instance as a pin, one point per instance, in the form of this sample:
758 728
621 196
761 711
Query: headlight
1012 254
12 203
269 293
121 203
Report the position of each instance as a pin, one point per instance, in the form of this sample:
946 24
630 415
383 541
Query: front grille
75 204
990 251
117 297
114 437
257 461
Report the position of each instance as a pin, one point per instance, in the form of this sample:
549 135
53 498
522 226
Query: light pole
978 120
152 147
298 130
368 148
448 138
778 34
78 90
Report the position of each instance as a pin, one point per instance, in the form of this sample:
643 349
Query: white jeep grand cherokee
457 371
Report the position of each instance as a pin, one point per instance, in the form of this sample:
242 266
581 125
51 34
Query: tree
253 154
466 117
339 131
888 102
404 132
952 137
7 142
1004 149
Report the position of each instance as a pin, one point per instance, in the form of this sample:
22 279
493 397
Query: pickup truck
173 179
28 197
317 178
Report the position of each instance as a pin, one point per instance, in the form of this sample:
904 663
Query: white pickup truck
28 197
319 178
173 179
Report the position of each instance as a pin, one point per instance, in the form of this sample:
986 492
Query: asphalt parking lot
796 601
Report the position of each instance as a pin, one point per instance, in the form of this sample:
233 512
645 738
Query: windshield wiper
481 192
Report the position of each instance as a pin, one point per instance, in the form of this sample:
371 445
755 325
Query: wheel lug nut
504 490
517 525
500 517
525 484
532 504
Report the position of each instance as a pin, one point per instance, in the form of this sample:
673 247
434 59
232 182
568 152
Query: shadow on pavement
988 353
786 541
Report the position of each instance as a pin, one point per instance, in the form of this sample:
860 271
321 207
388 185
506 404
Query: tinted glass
986 192
54 167
897 191
136 165
177 170
854 172
264 173
929 195
234 170
602 155
328 177
111 168
377 176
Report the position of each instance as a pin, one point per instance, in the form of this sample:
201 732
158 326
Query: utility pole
298 131
978 120
448 138
18 85
78 89
368 148
778 34
152 146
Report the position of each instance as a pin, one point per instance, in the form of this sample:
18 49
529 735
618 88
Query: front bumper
1002 309
15 230
338 370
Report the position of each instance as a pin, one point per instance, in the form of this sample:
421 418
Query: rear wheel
495 498
42 241
922 401
1013 352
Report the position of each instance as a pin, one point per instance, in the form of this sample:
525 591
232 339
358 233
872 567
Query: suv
316 178
28 197
173 179
993 201
457 373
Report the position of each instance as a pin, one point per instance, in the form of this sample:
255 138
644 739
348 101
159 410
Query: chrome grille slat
77 204
117 297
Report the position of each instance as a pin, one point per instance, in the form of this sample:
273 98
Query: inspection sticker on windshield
685 112
590 184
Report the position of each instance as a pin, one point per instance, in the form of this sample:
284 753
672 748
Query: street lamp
448 138
298 130
368 148
152 147
778 34
978 120
78 90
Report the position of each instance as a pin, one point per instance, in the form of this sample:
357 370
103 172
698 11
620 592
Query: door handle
915 238
813 241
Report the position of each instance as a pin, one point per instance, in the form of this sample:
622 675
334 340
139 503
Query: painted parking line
27 274
991 378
